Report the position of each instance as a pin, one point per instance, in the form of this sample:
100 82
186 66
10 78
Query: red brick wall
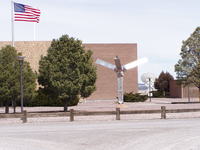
193 91
175 89
181 91
107 80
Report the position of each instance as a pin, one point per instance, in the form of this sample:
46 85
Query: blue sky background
157 26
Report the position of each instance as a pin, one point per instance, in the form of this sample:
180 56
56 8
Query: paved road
170 134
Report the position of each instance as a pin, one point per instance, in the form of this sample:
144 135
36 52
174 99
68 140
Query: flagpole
12 22
34 34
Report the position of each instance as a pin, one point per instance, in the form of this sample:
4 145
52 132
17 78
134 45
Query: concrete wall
106 82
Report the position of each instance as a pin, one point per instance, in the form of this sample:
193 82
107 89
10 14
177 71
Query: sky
157 26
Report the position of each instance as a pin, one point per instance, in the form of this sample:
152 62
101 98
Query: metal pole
120 90
34 34
150 89
12 23
21 84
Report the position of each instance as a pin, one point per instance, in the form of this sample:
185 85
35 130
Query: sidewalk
155 103
101 105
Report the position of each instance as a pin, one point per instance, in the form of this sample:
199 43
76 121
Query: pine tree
67 72
163 82
10 77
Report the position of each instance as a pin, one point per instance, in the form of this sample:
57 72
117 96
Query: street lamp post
149 79
21 62
150 89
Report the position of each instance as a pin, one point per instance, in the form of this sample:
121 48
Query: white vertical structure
119 69
34 31
120 91
12 23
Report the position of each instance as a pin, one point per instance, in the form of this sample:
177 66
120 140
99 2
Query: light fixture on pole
21 62
149 79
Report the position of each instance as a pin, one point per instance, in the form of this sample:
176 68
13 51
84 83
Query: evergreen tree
163 82
187 68
10 78
67 72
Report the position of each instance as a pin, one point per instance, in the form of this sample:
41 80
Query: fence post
163 112
71 114
24 117
117 113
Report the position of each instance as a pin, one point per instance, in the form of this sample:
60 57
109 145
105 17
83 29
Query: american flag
26 13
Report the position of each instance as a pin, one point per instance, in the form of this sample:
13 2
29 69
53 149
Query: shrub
159 94
137 97
42 99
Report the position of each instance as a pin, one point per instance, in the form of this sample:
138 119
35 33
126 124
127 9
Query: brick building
182 91
106 79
